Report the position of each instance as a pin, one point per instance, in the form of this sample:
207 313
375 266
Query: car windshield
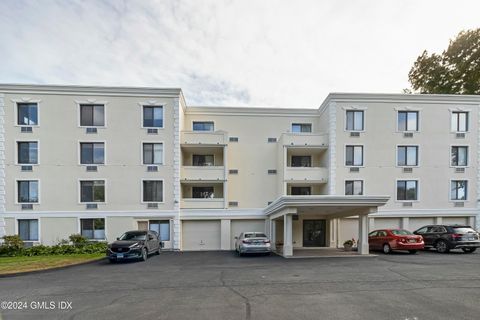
463 230
255 235
134 236
401 232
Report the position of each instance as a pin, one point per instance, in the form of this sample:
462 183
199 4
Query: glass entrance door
314 233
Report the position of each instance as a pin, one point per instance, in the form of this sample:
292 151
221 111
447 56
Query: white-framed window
354 187
355 120
407 156
27 152
459 122
153 153
354 156
408 120
27 113
92 153
458 190
92 191
459 156
152 191
153 116
301 127
92 115
203 126
28 229
407 190
27 191
93 229
162 227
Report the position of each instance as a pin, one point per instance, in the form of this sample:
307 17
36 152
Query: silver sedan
252 242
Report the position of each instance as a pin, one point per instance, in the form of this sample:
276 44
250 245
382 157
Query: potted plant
348 245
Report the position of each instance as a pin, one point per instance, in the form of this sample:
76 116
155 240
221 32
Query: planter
347 247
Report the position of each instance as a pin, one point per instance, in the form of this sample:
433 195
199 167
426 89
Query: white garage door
417 223
455 220
387 223
239 226
201 235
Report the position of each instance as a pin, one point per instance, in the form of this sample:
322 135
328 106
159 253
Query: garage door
239 226
455 220
387 223
417 223
201 235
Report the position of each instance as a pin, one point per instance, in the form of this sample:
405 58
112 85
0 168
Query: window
460 121
354 188
407 120
27 191
202 192
354 120
301 127
203 126
301 161
152 191
92 191
28 229
407 156
93 229
407 190
153 153
92 153
153 116
162 227
354 155
201 160
458 190
27 114
27 152
459 156
92 115
301 191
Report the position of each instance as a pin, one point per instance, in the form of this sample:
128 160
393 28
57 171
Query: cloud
262 53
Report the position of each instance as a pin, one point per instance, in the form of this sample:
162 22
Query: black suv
447 237
134 245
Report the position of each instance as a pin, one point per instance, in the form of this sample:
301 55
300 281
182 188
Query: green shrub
12 242
60 249
77 239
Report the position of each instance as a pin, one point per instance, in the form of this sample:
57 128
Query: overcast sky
259 53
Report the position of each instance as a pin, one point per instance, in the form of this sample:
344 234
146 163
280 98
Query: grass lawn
24 264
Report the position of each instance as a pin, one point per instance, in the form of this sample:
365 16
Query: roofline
252 111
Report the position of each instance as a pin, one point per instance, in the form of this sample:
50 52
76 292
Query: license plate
119 255
412 240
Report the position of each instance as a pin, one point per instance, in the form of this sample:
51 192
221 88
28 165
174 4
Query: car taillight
420 239
402 240
246 241
456 236
266 241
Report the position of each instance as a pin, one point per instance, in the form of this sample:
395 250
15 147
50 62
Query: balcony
203 138
213 203
203 173
304 139
302 174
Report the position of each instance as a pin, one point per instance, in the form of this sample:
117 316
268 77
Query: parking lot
220 285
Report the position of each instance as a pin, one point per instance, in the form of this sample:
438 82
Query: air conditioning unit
152 168
407 170
92 169
27 168
233 139
272 171
272 140
152 205
233 203
27 206
408 204
460 135
233 171
459 204
26 129
91 206
91 130
354 169
408 134
459 170
354 134
152 131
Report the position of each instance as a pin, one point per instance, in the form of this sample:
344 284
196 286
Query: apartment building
100 161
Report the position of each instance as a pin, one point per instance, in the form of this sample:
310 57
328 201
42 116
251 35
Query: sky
269 53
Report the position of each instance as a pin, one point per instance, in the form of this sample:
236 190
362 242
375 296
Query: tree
455 71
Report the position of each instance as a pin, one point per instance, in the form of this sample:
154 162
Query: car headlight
136 246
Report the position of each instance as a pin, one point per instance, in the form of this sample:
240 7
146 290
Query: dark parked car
389 240
134 245
447 237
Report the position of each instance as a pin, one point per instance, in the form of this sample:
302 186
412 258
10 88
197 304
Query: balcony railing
304 139
208 203
314 174
204 173
203 137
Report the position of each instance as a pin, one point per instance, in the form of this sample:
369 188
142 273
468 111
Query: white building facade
101 161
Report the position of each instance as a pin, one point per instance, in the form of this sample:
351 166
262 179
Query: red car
388 240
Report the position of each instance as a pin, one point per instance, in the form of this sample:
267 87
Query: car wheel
158 251
386 248
442 247
412 251
144 254
469 250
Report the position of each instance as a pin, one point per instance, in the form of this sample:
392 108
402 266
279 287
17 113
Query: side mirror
236 238
118 238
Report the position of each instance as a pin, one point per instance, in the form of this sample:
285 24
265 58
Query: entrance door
314 233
